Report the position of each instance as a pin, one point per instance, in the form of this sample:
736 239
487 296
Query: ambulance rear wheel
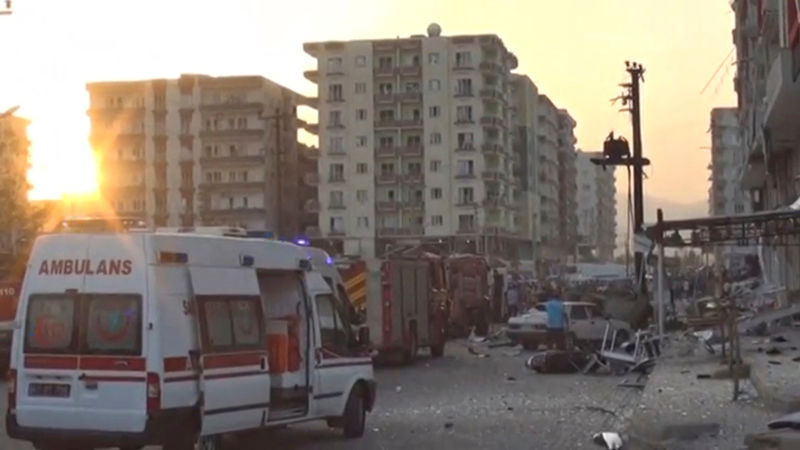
355 414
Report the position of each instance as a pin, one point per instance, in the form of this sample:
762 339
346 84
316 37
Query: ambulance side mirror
363 336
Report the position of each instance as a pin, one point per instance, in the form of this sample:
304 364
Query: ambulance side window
51 324
230 324
331 326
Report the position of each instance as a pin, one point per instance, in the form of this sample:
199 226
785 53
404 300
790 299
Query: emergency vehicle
177 339
469 287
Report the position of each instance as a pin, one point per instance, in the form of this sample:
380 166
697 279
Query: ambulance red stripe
122 364
176 364
51 362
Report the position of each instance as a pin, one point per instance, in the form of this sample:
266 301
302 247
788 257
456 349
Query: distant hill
672 210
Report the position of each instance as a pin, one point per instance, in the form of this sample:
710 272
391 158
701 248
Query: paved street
462 401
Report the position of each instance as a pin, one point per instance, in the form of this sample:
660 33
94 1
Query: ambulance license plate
48 390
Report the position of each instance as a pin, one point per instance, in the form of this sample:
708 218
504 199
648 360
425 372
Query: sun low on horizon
573 50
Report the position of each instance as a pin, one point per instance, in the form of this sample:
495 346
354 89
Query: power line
714 75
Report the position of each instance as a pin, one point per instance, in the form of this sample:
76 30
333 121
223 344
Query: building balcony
492 93
336 179
336 152
464 176
413 205
384 71
386 152
233 185
239 160
411 150
385 179
408 71
336 232
492 175
398 123
465 148
309 153
186 189
233 212
466 203
311 206
463 93
492 121
338 99
492 149
494 202
413 178
233 105
491 66
335 126
312 128
408 97
467 229
233 133
336 206
400 231
384 99
782 97
313 232
312 75
386 206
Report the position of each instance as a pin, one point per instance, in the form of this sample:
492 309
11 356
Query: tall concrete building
547 133
767 83
596 208
567 189
728 162
201 150
14 163
416 145
525 119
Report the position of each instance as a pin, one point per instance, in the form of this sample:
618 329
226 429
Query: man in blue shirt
556 321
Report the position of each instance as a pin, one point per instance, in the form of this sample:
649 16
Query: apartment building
567 189
14 146
525 119
548 184
767 83
415 145
728 161
596 208
201 150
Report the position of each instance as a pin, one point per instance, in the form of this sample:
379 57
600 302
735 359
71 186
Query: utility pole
278 117
617 153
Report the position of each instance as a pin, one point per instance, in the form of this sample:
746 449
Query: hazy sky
573 49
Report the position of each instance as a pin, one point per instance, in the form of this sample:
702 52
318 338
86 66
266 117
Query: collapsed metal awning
773 228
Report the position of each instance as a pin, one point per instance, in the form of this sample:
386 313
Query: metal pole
278 168
660 282
636 71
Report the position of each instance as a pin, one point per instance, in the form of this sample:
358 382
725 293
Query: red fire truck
469 288
9 294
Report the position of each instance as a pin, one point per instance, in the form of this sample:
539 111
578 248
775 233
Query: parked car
587 324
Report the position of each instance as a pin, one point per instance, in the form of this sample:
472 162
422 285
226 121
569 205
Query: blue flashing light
301 241
328 260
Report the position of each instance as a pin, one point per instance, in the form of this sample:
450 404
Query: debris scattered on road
796 359
510 378
778 338
448 425
476 353
773 351
398 389
610 440
773 362
703 376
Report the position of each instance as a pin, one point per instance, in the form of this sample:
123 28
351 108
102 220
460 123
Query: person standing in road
556 321
512 299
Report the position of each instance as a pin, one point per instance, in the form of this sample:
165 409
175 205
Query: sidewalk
679 411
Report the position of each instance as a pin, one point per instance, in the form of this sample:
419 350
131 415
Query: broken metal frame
777 228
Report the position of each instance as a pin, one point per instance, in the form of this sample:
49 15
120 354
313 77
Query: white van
127 340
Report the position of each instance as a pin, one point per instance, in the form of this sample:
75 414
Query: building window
414 168
466 222
386 141
337 224
335 92
466 167
337 199
434 85
413 140
436 193
362 168
385 88
387 169
361 60
385 62
362 195
362 222
336 172
335 118
336 144
241 122
433 111
436 138
412 86
386 115
435 165
361 141
463 59
243 175
465 140
464 87
433 58
361 87
466 195
245 202
335 64
464 114
361 114
437 221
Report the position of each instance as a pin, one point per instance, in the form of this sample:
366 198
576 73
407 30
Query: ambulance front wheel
355 413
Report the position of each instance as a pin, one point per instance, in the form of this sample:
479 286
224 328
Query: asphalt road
465 402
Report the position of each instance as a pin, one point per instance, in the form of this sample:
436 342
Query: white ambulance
174 339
